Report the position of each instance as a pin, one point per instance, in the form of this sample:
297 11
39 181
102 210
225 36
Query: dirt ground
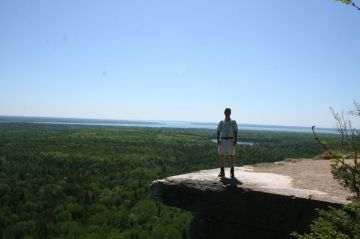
313 174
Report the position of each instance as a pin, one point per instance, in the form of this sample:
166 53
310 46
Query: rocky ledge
262 201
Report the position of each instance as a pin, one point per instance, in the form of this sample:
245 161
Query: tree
350 2
341 223
335 223
348 173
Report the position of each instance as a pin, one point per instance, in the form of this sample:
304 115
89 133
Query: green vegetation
344 154
335 224
72 181
348 147
350 2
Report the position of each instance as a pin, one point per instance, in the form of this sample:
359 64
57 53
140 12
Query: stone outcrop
262 201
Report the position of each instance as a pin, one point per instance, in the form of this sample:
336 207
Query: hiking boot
222 172
232 172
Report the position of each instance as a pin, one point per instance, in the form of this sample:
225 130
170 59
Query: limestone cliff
262 201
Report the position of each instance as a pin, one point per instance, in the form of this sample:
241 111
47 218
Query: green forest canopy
68 181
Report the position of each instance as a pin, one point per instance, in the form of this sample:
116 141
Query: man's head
227 112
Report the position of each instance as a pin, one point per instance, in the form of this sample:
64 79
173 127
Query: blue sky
273 62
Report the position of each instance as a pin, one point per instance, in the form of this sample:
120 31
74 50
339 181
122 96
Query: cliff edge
262 201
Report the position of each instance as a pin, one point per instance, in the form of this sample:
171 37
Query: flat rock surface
308 174
302 178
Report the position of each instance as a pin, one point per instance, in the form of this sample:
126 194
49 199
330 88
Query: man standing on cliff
227 140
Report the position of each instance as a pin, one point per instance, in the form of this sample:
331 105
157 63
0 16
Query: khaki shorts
226 147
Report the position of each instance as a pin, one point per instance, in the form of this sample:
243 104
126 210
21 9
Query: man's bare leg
233 160
222 162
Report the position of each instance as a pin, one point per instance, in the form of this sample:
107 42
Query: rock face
254 204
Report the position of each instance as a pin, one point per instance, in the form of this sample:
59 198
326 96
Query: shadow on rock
230 181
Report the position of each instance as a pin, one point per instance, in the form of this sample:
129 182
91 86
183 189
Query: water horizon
158 124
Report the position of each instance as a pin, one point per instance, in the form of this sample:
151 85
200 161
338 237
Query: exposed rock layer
252 205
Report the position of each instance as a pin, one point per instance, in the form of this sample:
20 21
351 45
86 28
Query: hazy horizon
161 120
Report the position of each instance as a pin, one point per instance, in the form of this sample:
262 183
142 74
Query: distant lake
158 124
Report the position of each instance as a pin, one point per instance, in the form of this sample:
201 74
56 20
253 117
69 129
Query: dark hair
227 109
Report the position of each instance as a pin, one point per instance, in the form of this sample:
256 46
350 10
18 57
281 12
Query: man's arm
218 137
235 128
235 137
